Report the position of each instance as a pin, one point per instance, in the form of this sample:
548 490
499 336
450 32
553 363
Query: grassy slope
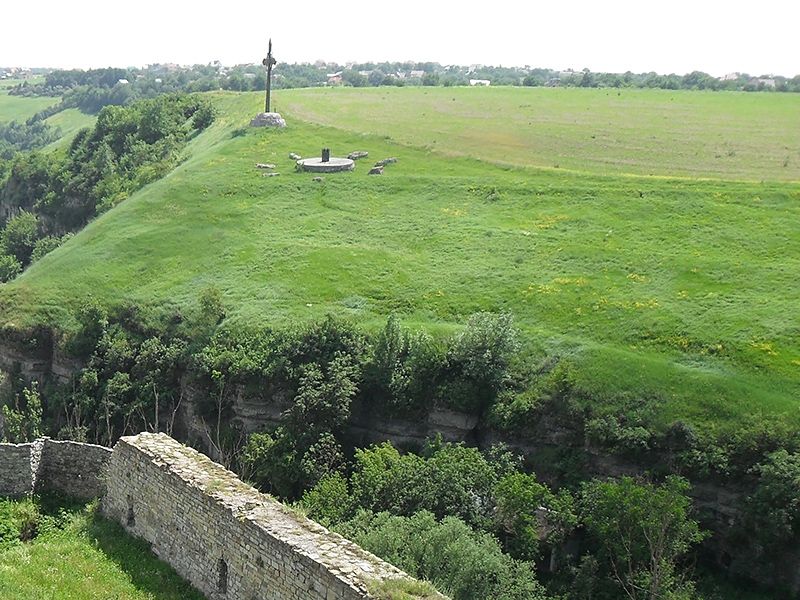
645 132
683 290
93 559
70 121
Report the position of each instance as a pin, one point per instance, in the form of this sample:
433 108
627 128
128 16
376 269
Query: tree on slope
642 531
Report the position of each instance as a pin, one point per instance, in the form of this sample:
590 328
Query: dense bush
22 413
462 563
774 507
10 267
19 522
486 491
130 381
452 479
47 244
23 137
18 237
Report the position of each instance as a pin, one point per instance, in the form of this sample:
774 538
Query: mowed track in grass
728 135
678 290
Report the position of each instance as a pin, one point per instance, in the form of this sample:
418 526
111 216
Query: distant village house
480 82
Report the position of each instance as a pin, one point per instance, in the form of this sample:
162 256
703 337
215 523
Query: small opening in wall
131 519
260 562
222 571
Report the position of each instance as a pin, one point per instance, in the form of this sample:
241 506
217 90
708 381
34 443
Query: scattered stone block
270 174
318 179
358 155
386 161
294 156
268 119
265 166
376 170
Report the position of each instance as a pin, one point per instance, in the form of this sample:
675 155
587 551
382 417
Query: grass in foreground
90 558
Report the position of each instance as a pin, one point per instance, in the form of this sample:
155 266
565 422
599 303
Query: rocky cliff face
45 362
30 367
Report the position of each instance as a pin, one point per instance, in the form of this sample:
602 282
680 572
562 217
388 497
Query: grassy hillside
680 290
70 121
20 108
646 132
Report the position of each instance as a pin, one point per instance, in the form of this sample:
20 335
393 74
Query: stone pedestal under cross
268 118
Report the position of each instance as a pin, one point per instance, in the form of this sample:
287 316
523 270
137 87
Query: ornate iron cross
269 62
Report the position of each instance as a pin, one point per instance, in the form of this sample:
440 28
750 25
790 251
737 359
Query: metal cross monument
269 62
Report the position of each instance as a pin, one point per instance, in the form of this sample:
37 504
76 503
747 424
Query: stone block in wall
16 474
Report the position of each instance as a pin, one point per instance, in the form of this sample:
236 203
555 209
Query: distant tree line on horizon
92 89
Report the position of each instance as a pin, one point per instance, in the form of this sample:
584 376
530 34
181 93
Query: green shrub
47 244
19 236
204 116
10 267
23 419
329 501
452 479
478 360
462 563
774 508
19 522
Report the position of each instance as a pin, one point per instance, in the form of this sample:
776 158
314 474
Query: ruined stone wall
70 468
223 536
74 469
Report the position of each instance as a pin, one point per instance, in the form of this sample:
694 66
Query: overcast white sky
756 36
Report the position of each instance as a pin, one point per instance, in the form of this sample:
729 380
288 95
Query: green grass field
8 83
90 559
645 132
20 108
71 121
681 290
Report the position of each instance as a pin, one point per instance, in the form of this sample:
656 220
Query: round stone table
333 165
